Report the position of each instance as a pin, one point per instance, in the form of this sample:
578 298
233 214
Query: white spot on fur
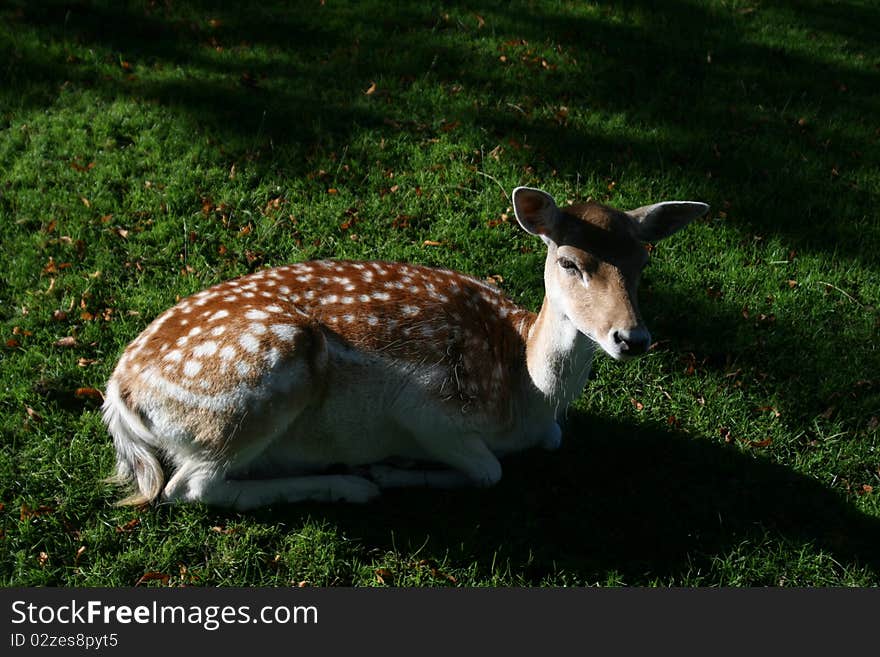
220 314
249 342
218 330
410 311
285 332
228 352
243 367
174 356
192 367
273 308
208 348
255 314
257 329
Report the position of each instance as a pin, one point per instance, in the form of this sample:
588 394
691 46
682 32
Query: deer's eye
568 265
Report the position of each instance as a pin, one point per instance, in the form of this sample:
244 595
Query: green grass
149 149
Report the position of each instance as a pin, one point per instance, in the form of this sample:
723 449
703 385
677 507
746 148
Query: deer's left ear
654 222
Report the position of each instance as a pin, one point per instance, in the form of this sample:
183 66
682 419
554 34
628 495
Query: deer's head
595 257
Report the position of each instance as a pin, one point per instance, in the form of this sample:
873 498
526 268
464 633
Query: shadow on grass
615 500
773 134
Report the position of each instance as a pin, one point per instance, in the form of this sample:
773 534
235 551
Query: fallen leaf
725 433
867 488
59 315
32 414
638 405
85 362
384 576
12 343
85 201
760 443
131 525
89 393
431 243
371 89
43 558
68 341
764 409
27 512
151 576
302 584
79 553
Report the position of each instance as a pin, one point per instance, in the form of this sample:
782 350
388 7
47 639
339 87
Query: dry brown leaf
89 393
371 89
43 558
152 576
79 553
764 409
638 405
131 525
68 341
32 414
384 576
27 512
432 243
86 202
760 443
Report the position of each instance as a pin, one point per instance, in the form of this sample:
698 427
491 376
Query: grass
149 149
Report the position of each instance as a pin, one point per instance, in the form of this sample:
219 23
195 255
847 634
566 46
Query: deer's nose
632 342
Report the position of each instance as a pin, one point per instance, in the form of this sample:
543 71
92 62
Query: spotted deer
330 380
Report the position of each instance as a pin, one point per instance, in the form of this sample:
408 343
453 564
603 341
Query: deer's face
595 257
593 273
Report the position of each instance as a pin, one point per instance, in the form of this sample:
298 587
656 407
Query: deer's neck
558 357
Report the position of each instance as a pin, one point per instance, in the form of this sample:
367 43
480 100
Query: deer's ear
535 211
654 222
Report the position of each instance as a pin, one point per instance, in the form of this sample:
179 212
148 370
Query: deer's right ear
535 211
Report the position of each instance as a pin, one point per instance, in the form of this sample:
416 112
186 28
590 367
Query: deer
332 380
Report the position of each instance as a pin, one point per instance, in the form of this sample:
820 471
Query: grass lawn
149 149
